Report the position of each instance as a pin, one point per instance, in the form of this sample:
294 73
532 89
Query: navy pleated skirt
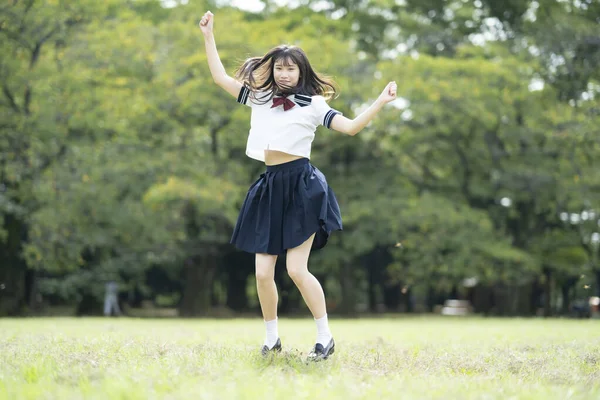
284 207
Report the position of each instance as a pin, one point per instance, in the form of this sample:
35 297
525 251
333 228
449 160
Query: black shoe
276 348
322 353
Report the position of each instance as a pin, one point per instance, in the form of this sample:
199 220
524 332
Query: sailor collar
301 99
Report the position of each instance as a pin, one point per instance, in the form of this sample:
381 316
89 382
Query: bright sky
248 5
256 5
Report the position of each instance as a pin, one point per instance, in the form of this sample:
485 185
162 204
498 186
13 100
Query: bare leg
267 296
309 286
312 292
265 285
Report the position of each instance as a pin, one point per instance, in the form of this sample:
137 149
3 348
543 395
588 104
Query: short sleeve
251 98
323 113
244 96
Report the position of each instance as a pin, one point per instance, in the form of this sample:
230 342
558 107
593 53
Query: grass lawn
395 358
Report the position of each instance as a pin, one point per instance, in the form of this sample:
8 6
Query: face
286 73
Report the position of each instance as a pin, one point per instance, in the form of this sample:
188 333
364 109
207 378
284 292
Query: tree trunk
481 299
547 292
597 273
430 298
409 299
501 299
348 304
565 289
454 292
237 299
199 273
534 298
238 266
372 285
32 294
13 288
566 294
393 297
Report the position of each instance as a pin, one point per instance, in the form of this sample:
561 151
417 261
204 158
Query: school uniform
291 201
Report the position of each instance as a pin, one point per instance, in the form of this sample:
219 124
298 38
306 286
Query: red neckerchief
287 103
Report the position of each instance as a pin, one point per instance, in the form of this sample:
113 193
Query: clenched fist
389 93
206 23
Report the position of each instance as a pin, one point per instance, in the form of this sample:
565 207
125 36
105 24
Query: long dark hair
257 74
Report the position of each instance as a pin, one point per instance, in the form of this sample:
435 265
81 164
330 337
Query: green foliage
118 152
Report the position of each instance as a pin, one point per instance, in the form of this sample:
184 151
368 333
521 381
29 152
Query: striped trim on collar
302 100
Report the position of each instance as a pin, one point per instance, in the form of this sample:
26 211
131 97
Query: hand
206 23
389 93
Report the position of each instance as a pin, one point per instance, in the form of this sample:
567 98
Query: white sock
323 332
272 334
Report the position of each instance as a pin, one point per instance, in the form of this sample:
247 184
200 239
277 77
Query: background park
121 161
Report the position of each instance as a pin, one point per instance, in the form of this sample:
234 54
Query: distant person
290 209
111 301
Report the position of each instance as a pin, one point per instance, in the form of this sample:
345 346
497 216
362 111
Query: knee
296 273
265 268
264 274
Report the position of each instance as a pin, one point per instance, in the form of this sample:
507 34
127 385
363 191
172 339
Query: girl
290 209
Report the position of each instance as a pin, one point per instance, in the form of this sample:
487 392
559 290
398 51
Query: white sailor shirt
291 131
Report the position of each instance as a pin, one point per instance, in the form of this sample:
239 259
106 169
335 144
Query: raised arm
353 126
217 70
